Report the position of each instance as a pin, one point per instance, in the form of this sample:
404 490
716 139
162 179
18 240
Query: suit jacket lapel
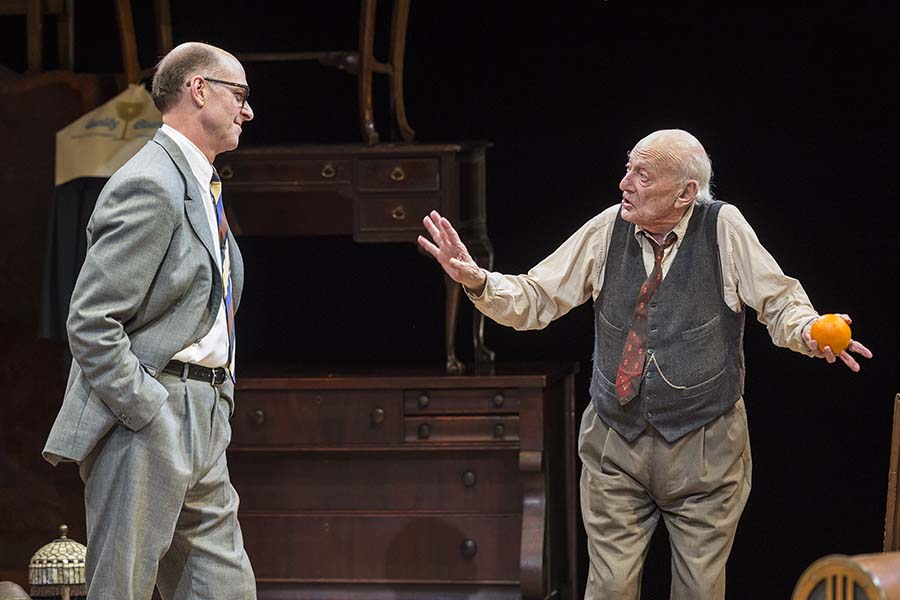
193 202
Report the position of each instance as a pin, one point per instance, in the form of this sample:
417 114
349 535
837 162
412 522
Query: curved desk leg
398 48
534 522
366 60
481 250
451 313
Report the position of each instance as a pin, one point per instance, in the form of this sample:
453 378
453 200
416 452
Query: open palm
450 252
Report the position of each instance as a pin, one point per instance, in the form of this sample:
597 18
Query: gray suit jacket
149 287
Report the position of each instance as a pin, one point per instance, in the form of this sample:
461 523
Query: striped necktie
215 187
631 365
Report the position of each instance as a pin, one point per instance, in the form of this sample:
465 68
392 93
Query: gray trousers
699 486
160 507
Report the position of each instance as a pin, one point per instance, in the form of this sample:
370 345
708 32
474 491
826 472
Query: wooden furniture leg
892 514
364 76
164 39
451 314
65 35
34 24
130 63
398 49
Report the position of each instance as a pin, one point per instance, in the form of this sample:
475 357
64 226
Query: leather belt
214 376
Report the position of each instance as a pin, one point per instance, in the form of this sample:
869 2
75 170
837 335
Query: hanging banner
100 142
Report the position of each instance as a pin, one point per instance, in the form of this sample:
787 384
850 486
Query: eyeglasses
242 98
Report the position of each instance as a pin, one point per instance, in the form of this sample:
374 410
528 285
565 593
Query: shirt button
649 414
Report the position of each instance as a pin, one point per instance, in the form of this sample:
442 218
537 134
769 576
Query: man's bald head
179 64
681 151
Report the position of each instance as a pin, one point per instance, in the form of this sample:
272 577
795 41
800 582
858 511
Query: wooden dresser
408 484
377 194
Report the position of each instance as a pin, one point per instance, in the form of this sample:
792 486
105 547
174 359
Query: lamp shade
57 569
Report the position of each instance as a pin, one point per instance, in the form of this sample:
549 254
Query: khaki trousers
699 485
161 509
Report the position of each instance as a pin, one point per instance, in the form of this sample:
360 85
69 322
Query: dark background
796 107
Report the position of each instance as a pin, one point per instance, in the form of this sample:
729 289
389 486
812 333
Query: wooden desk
409 484
374 193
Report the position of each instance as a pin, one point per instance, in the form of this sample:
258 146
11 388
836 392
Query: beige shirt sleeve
752 277
574 273
560 282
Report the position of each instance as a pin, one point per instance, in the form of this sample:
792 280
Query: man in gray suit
146 409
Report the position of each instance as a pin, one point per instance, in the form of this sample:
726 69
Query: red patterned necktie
215 187
631 365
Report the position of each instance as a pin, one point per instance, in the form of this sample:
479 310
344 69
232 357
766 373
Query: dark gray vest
694 370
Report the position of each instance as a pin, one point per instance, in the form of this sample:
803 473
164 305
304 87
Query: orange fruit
831 330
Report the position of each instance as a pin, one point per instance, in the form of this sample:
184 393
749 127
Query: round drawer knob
398 174
499 430
258 417
499 399
424 431
469 548
469 479
398 213
378 416
226 172
328 171
424 401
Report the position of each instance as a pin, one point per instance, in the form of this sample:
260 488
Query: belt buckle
212 376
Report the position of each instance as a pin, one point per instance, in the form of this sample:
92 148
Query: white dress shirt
212 349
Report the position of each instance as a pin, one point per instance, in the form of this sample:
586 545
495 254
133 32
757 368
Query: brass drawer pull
499 430
378 416
469 548
258 417
424 431
398 174
469 479
424 401
226 173
498 399
328 171
399 213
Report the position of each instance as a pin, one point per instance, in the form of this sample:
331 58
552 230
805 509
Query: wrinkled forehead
655 155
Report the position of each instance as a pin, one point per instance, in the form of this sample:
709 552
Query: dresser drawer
398 174
329 547
298 418
465 481
461 429
449 402
394 214
284 170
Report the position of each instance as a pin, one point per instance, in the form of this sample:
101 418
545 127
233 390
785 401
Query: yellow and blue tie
215 187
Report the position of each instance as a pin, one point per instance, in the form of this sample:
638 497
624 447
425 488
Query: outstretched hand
827 353
451 253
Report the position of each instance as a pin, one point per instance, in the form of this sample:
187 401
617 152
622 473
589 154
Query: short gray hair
179 64
698 166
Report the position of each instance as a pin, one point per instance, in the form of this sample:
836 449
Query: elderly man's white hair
687 155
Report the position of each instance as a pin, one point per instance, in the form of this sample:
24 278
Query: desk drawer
398 174
464 481
329 547
394 214
284 170
461 429
494 401
298 418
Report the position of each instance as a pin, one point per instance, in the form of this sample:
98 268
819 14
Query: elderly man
670 271
151 329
